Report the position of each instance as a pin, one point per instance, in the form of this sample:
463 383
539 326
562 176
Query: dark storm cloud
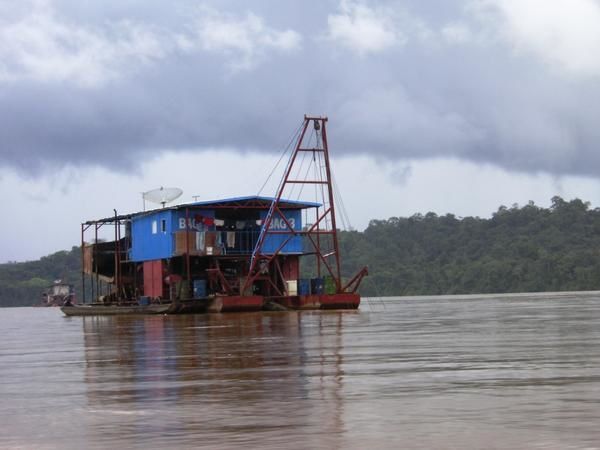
416 81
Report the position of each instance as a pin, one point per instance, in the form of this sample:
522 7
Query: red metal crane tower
322 233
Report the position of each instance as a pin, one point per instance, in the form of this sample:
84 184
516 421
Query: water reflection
225 378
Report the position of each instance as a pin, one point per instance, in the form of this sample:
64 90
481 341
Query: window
163 225
154 227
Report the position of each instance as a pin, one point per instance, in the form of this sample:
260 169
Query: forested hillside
21 284
519 249
527 249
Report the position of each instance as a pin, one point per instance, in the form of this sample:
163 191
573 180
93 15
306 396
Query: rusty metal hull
340 301
221 304
312 302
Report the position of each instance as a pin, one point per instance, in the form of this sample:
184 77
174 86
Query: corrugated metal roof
256 199
252 201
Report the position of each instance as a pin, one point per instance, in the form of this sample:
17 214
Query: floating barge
236 254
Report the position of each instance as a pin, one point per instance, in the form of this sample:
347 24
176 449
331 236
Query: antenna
162 195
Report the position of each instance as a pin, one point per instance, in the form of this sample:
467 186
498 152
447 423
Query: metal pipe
338 281
119 272
96 262
116 272
82 264
187 251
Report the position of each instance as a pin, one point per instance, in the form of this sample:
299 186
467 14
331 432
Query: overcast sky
448 106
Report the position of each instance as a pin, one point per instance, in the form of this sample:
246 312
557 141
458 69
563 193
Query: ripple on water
516 371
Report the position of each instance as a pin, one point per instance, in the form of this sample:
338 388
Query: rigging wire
340 201
309 141
377 293
326 204
339 209
296 176
327 218
305 177
293 138
316 186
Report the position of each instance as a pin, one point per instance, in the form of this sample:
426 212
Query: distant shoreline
492 296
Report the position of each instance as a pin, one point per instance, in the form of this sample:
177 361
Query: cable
305 178
296 176
263 230
377 293
293 139
326 204
340 200
339 208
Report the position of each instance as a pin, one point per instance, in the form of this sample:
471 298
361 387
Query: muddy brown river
468 372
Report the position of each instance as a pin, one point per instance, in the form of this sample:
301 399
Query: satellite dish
162 195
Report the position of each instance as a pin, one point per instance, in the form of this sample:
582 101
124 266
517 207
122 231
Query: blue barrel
304 286
317 286
144 300
199 288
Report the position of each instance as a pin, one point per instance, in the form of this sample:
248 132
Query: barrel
199 288
304 286
330 287
316 286
144 300
248 291
292 287
184 290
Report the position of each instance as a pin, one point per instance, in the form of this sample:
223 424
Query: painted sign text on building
192 224
277 223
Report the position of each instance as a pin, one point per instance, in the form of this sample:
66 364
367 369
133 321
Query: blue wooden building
198 249
213 228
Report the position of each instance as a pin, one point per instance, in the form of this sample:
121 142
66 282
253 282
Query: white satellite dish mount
161 196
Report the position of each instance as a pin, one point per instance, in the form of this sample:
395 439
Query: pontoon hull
221 304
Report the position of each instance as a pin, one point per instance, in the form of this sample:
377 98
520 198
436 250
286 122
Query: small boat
233 254
98 309
58 294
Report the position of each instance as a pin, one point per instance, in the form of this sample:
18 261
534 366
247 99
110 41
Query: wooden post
187 252
82 265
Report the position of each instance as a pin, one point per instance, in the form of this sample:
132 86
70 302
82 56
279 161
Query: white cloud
42 47
367 29
565 33
456 33
364 29
245 40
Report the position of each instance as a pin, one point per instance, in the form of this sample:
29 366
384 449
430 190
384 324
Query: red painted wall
291 268
153 278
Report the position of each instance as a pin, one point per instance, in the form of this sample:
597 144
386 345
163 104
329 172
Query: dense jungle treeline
518 249
22 284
